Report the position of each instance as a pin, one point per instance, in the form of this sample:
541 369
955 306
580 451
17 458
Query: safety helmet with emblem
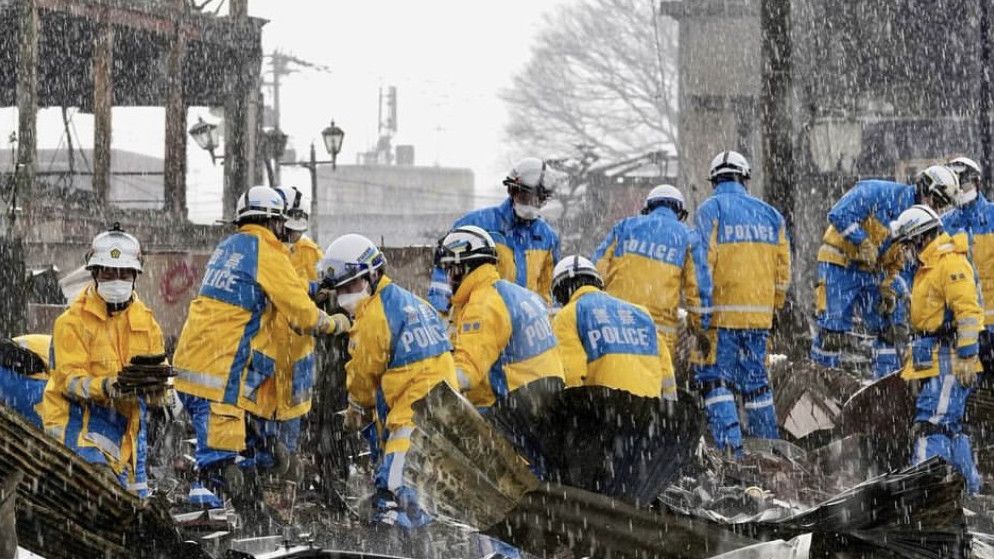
666 195
968 172
729 165
570 274
914 222
467 244
115 249
939 182
297 207
533 176
261 202
348 258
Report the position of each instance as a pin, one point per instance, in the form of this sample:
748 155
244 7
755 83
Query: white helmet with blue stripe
349 257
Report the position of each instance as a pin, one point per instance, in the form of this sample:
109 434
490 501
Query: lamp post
206 136
333 136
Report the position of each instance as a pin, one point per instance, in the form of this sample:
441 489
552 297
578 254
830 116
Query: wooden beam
175 165
27 107
103 101
239 84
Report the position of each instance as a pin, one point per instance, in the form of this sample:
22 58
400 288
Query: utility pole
103 101
987 157
235 119
174 179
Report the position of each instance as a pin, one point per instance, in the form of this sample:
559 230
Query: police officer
399 351
858 275
605 341
85 404
749 257
226 348
527 247
947 318
658 245
502 337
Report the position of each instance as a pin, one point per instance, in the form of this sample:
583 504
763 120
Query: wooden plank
27 104
175 164
103 101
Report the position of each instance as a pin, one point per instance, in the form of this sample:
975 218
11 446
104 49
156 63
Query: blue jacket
976 219
527 252
865 212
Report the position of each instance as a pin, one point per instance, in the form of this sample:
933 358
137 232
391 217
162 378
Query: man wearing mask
225 351
527 246
399 351
89 403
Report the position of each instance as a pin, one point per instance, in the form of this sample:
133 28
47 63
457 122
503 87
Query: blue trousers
739 367
850 292
396 504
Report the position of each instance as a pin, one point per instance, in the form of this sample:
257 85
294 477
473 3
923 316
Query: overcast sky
449 59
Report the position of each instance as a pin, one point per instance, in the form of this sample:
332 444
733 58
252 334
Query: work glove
323 295
888 298
966 370
145 375
355 417
332 325
867 252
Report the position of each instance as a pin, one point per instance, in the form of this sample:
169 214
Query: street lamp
206 136
333 137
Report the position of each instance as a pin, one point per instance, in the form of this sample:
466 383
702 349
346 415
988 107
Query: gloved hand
888 298
332 325
323 295
146 375
867 252
966 370
112 388
355 417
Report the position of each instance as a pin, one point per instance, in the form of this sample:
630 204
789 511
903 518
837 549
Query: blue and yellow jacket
527 252
652 260
748 256
287 394
89 346
502 337
976 219
22 391
945 306
399 351
225 349
865 212
604 341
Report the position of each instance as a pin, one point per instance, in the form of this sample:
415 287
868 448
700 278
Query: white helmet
532 175
914 222
262 201
115 249
968 172
941 183
666 194
465 244
729 164
298 207
568 268
349 257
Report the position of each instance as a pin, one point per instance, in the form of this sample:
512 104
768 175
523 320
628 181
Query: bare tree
603 73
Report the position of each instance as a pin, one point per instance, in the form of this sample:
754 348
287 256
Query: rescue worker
502 337
227 346
399 351
658 245
94 343
974 215
946 318
604 341
282 399
749 257
24 374
859 276
527 246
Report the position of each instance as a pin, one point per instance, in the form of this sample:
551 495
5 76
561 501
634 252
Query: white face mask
115 292
350 301
526 212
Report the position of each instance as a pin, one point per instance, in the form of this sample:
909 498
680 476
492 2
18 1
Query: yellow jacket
88 347
748 256
945 310
225 348
658 246
605 341
502 337
287 394
398 352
